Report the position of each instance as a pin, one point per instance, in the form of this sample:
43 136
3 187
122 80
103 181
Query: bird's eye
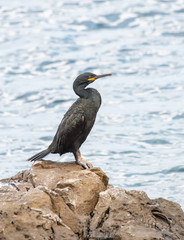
91 78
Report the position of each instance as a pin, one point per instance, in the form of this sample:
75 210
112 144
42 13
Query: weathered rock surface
62 201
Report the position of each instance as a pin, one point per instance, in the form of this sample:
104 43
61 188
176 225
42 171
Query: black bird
77 121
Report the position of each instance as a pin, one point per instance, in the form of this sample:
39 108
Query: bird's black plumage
77 122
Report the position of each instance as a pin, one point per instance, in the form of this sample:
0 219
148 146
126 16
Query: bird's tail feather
39 155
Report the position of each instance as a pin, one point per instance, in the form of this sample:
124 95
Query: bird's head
83 80
86 78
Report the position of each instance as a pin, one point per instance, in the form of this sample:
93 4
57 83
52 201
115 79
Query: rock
121 214
62 201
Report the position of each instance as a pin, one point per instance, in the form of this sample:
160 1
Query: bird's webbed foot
84 164
80 161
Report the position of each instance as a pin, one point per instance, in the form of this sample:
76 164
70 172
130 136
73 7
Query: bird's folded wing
71 127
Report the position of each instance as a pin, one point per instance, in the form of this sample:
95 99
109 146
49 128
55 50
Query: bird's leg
80 161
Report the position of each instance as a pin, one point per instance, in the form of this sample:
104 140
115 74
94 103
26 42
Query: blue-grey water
138 137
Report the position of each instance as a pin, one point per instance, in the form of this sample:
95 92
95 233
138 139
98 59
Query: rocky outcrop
62 201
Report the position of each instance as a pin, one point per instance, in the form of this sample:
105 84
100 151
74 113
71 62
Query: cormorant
77 121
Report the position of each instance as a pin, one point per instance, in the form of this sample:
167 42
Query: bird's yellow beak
99 76
91 79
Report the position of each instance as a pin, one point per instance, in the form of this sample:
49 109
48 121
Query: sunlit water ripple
138 138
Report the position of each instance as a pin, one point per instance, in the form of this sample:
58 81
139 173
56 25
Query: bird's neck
82 92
